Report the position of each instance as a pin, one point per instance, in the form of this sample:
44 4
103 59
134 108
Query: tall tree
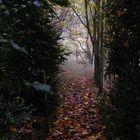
92 18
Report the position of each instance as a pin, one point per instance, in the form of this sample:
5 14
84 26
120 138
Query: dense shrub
30 56
123 112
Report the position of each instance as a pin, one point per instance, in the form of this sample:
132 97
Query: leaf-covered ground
78 116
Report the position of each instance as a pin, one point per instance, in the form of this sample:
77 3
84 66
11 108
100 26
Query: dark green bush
29 53
123 112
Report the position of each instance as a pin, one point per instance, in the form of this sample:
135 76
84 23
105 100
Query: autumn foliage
78 117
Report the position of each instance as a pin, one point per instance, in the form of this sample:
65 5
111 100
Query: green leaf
17 47
39 86
9 117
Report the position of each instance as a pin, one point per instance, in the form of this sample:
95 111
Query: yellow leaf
13 129
126 44
92 138
120 13
66 118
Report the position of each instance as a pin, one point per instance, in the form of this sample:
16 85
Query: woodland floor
78 116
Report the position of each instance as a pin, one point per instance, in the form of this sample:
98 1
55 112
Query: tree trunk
101 52
97 48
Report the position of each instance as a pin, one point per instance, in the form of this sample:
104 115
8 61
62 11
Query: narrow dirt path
78 116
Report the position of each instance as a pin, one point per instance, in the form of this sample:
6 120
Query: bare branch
78 17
